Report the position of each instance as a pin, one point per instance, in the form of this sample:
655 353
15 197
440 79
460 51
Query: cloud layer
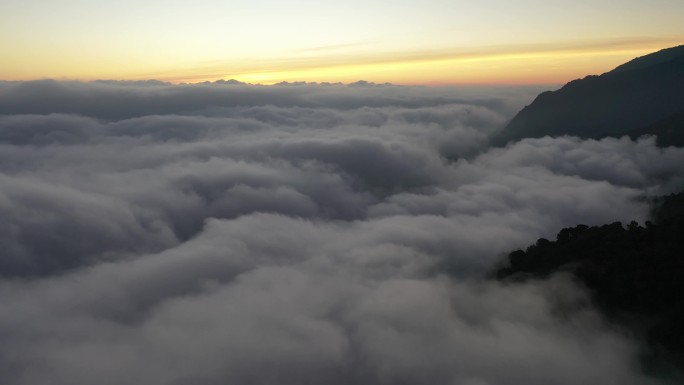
217 233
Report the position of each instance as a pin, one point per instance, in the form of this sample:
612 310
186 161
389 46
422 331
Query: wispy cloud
345 56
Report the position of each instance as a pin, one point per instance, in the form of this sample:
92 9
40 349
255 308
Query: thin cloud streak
297 64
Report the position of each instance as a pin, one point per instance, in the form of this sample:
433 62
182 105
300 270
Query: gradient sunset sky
267 41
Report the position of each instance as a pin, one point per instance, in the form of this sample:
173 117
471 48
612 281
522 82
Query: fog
301 234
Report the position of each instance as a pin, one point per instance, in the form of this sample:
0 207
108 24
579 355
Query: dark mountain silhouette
635 275
643 96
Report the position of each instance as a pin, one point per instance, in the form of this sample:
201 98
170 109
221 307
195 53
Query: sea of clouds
299 234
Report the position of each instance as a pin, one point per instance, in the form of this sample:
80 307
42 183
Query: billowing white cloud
218 234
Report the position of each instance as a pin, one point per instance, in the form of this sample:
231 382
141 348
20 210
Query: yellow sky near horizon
436 42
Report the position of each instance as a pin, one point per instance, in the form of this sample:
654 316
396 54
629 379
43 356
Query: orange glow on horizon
488 66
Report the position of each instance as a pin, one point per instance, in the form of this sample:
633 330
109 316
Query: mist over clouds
328 234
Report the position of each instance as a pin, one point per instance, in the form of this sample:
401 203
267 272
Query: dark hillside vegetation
634 273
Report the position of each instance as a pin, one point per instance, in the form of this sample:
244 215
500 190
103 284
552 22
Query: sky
434 42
